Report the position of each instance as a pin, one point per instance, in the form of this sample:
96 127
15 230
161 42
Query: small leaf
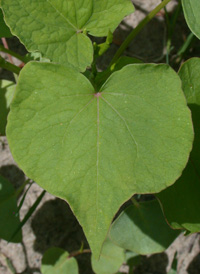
191 9
57 261
142 229
4 30
98 149
7 89
181 201
173 269
189 74
111 258
57 28
8 207
132 260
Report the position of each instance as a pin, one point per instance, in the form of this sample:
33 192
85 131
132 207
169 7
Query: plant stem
28 214
76 253
135 203
3 39
135 31
10 52
6 65
19 190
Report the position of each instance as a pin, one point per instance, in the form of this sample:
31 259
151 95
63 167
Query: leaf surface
181 201
112 257
191 9
56 261
4 30
54 27
8 208
7 89
142 229
95 150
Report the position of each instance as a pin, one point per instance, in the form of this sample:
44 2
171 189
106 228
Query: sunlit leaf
57 28
7 89
191 10
181 201
110 260
95 150
57 261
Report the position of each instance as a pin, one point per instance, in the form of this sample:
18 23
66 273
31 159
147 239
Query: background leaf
4 30
56 261
98 149
191 9
7 89
181 201
8 208
142 229
54 27
112 257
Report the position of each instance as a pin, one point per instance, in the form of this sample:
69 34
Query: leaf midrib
65 18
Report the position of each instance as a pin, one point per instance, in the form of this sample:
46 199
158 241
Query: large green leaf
6 93
4 30
112 257
181 201
191 10
55 27
57 261
95 150
8 208
142 229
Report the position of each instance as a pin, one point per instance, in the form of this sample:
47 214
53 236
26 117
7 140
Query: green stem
28 215
8 51
76 253
6 65
186 44
20 189
135 203
135 31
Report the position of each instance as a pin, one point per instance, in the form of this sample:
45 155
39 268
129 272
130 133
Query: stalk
14 54
135 31
6 65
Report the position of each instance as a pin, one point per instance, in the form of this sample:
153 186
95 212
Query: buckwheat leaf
95 150
7 89
8 208
57 261
55 27
112 257
143 229
107 15
181 201
191 9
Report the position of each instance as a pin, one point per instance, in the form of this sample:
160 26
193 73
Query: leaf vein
122 118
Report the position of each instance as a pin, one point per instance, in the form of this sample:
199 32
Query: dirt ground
53 223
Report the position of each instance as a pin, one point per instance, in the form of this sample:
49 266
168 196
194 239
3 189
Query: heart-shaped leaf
55 27
57 261
7 89
4 30
8 208
112 257
181 201
142 229
191 10
96 149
